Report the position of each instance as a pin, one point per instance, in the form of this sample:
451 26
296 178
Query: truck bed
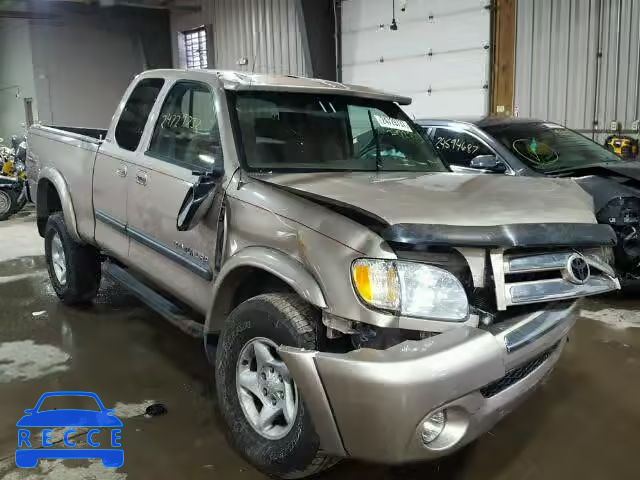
68 152
97 133
91 135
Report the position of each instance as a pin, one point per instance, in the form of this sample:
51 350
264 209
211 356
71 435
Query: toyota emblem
578 270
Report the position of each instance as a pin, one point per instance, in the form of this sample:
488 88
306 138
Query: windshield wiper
377 140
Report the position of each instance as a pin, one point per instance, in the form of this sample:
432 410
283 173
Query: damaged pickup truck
356 298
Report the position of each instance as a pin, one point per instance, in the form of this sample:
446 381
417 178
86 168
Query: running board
155 301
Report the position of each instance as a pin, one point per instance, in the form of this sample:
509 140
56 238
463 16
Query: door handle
141 178
122 171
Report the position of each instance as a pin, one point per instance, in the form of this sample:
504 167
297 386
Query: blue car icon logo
74 422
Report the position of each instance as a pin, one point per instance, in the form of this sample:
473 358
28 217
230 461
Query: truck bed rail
92 135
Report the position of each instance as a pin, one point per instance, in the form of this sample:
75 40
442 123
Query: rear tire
74 269
8 203
283 319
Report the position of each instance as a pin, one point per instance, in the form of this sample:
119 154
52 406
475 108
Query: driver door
185 139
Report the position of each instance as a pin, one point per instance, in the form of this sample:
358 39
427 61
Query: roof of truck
234 80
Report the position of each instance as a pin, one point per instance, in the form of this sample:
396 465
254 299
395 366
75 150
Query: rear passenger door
185 139
114 167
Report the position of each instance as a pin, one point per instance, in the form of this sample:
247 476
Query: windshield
284 131
547 147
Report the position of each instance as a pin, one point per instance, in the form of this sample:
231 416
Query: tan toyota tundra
356 298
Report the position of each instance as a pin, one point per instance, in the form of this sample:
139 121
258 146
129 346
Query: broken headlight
410 288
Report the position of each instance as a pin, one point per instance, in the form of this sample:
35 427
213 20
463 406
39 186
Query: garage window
195 48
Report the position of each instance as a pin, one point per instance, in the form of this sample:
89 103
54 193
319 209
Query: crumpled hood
628 169
448 198
609 181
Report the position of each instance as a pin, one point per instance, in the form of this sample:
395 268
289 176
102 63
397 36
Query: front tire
8 203
74 269
289 446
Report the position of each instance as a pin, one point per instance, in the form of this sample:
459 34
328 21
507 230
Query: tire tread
302 319
83 265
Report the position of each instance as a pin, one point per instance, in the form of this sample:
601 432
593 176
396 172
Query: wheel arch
261 270
53 196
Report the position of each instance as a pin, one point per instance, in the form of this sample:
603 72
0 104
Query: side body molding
55 177
279 264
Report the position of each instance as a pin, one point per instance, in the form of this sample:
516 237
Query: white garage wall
16 74
439 55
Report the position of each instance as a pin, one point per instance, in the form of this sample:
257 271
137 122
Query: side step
155 301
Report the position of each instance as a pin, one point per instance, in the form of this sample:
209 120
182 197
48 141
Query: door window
457 147
136 111
187 132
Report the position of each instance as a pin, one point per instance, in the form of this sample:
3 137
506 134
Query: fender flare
275 262
58 181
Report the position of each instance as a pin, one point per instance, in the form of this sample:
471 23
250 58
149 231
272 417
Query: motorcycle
13 175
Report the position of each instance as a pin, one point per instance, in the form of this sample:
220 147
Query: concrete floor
583 423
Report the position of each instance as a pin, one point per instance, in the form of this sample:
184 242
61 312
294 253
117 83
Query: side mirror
488 162
198 199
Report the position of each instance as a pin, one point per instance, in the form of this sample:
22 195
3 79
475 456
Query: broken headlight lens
410 288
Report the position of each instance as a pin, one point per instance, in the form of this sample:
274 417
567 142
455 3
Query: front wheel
267 420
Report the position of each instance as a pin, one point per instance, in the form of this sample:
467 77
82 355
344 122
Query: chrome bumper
370 404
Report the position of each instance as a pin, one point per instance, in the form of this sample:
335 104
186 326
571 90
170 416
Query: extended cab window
284 131
457 147
187 133
136 111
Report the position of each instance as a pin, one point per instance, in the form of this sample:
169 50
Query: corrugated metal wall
269 33
577 62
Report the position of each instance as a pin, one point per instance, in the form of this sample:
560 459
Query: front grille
517 374
540 276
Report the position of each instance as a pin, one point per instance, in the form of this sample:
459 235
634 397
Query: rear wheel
74 269
8 202
267 420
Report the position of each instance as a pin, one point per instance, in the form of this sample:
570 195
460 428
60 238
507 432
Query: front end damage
617 203
424 398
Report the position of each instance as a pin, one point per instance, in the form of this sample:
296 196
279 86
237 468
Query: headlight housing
410 288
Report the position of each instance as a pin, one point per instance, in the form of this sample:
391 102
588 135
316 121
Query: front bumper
370 404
